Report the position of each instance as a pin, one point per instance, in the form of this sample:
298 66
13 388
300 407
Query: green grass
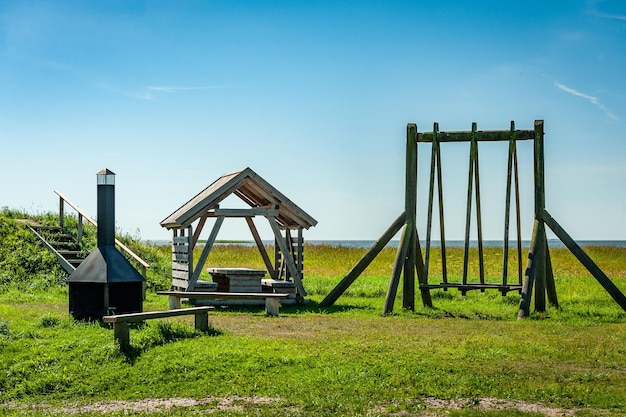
461 358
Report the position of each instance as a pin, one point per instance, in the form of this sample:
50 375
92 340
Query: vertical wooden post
442 229
408 289
479 221
468 212
121 334
61 212
79 232
518 217
507 209
277 263
300 256
431 196
190 248
540 205
410 207
201 321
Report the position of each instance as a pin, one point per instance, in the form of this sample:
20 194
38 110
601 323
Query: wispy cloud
593 100
609 15
149 92
594 11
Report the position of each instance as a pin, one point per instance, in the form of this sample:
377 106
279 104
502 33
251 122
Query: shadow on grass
308 307
145 336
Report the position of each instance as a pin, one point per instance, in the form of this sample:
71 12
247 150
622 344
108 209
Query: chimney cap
106 177
105 171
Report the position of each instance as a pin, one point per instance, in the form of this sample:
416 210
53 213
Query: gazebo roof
249 187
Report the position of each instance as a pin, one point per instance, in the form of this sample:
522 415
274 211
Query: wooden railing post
79 237
61 212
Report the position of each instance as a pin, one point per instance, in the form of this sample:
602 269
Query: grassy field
468 356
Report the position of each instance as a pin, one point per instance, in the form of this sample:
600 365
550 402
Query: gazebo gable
252 189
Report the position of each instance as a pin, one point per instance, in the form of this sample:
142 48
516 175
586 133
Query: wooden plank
180 283
481 136
181 257
251 212
216 295
180 248
180 266
364 262
473 285
147 315
584 259
180 240
180 275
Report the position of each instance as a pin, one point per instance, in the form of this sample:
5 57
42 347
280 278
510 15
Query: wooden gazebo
285 218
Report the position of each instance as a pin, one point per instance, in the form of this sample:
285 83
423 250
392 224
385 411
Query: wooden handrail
132 254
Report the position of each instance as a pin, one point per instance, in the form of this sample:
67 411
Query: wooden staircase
63 245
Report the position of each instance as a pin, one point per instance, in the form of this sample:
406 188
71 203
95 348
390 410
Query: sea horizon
357 243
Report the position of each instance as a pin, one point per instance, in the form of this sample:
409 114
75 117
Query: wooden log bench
120 321
272 300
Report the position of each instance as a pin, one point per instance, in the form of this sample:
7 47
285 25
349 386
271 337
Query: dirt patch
434 407
424 407
151 405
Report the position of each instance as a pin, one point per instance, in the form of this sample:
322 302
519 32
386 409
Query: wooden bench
120 321
272 300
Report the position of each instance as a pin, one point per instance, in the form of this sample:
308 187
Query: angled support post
584 259
291 264
364 262
205 254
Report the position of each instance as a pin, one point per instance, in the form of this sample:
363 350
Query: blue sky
315 97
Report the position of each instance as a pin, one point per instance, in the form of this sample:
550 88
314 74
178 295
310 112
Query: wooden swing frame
538 274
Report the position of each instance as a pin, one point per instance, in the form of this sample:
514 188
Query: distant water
554 243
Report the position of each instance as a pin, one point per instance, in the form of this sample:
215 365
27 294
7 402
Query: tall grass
343 360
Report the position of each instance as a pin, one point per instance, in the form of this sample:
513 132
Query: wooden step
69 246
70 253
